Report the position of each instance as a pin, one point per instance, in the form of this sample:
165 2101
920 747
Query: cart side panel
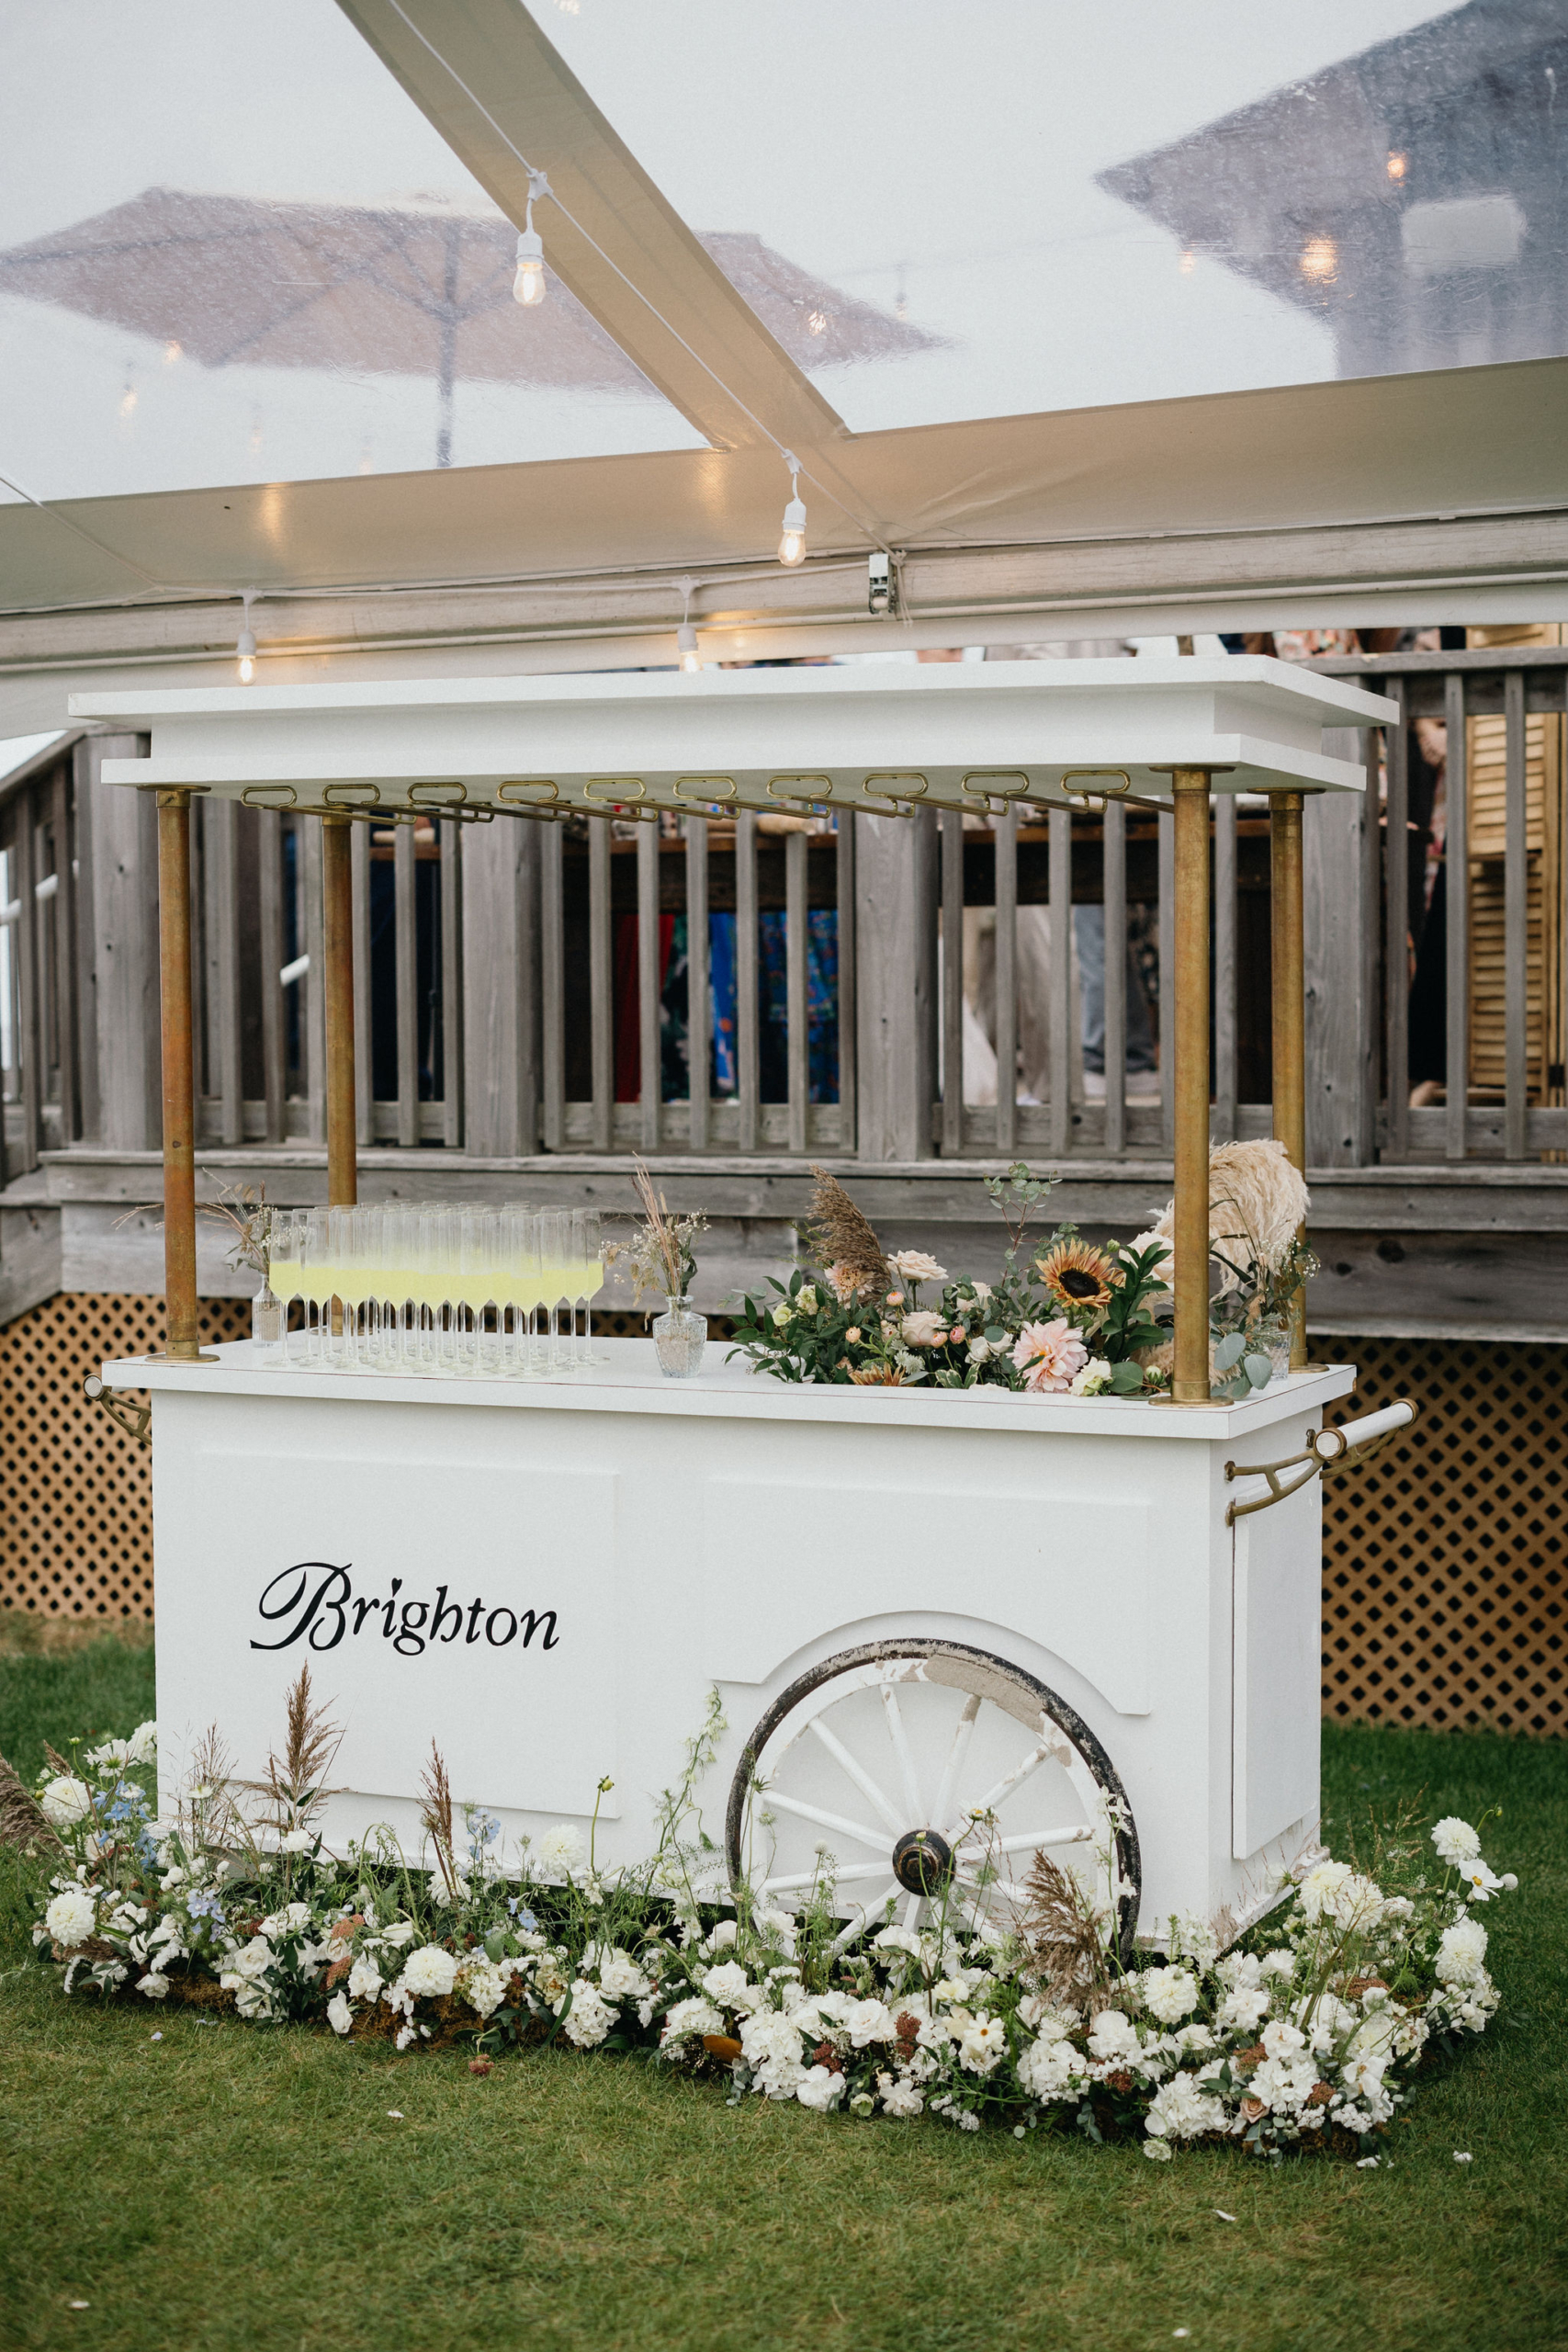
1277 1590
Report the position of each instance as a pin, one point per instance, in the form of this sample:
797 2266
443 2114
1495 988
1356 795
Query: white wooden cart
947 1628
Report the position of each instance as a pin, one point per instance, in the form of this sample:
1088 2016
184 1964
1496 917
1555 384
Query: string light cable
691 660
539 185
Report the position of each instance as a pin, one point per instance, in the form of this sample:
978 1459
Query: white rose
71 1919
1094 1376
1180 2111
869 2021
722 1938
819 2088
980 1350
340 2017
65 1799
1244 2009
364 1978
561 1848
915 1266
1455 1840
152 1985
730 1984
1462 1953
1113 2036
922 1329
1281 2041
142 1745
784 1314
806 1299
430 1972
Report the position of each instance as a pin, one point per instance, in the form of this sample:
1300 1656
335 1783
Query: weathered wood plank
845 838
952 980
85 902
1456 916
27 1044
1006 982
1515 918
221 863
798 1036
493 953
310 935
1059 1012
453 1066
1396 902
552 988
650 1076
600 984
275 1075
1114 894
1223 1122
64 930
699 995
1340 1026
364 1008
747 1038
405 931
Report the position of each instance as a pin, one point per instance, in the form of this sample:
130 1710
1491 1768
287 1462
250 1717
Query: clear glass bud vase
679 1339
268 1318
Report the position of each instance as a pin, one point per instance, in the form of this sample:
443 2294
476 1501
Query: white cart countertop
629 1381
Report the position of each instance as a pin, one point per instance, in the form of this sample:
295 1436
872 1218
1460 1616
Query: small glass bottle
679 1339
268 1317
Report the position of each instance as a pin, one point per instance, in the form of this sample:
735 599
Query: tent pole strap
337 956
181 1343
1289 987
1189 1025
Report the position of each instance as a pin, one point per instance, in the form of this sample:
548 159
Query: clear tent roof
233 249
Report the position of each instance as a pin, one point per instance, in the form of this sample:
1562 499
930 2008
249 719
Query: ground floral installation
1067 1318
1305 2034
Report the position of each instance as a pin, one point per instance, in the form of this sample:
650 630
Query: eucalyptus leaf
1259 1371
1230 1351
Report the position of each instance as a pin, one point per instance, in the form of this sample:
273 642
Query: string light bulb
528 286
691 660
245 644
792 541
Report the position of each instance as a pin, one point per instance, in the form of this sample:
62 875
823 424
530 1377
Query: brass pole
1288 960
337 956
1189 1380
181 1341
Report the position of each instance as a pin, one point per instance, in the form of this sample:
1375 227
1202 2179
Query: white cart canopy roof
881 739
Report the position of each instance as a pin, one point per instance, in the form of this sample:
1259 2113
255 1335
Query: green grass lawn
230 2186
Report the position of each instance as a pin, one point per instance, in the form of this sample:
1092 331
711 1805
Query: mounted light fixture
245 644
528 286
792 544
686 636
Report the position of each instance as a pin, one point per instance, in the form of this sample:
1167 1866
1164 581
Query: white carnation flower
1170 1994
71 1919
562 1848
430 1973
1462 1953
1244 2009
899 2095
1281 2040
1113 2035
65 1799
340 2017
820 2087
1455 1840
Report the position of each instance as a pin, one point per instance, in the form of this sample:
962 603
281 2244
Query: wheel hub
922 1861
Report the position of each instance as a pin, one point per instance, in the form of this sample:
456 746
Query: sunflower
1075 1274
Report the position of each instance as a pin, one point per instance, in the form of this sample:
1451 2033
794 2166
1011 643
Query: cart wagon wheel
925 1768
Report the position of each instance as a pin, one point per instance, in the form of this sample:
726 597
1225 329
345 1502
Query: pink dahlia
1049 1354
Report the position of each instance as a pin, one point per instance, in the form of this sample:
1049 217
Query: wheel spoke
810 1878
900 1738
913 1906
963 1733
1009 1887
876 1838
858 1925
1004 1788
1044 1838
858 1774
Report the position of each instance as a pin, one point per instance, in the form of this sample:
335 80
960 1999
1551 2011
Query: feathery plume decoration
844 1240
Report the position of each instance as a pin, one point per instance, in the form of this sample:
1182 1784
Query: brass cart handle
1326 1450
134 1419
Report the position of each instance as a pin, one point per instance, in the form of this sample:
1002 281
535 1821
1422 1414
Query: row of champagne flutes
491 1292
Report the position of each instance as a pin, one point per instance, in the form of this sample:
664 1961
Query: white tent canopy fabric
1145 323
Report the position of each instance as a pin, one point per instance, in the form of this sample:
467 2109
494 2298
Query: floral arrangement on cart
1068 1316
1032 2013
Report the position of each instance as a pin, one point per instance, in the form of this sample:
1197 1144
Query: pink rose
1049 1355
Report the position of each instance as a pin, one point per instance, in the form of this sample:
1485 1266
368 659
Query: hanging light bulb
691 660
245 645
528 286
791 542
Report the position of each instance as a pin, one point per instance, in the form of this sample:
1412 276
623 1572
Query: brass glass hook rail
1326 1450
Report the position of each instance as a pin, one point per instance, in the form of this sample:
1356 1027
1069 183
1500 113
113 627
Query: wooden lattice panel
1444 1560
75 1493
